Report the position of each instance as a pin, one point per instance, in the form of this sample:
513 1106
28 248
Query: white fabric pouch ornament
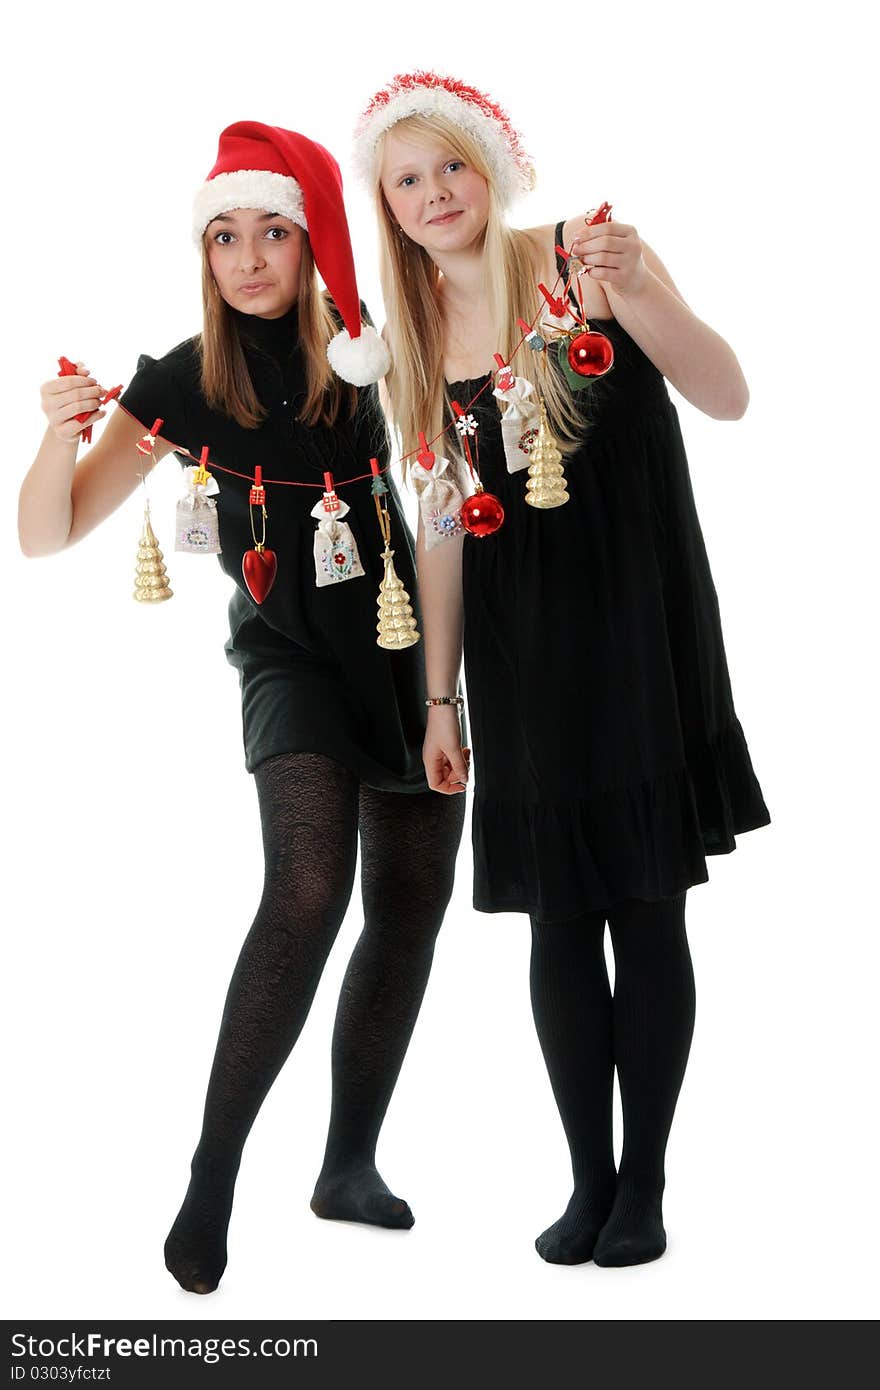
559 323
440 501
336 552
519 423
196 529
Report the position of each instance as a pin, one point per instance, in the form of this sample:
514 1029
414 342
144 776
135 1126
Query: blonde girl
609 760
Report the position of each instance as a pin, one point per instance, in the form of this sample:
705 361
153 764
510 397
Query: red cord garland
425 446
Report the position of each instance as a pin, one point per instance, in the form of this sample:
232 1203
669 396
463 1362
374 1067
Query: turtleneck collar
276 337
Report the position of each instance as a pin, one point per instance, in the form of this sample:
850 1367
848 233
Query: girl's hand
65 397
612 252
446 762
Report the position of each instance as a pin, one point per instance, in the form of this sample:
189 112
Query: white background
737 141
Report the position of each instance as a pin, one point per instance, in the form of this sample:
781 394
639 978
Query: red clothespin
561 251
602 214
425 457
113 394
531 337
378 487
202 477
257 497
147 443
331 501
504 377
556 305
68 368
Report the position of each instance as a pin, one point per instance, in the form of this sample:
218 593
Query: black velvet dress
609 759
313 678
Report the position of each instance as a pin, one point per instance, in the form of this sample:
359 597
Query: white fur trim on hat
511 167
247 188
360 360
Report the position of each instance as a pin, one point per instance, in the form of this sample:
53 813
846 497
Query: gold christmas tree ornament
396 626
546 486
151 578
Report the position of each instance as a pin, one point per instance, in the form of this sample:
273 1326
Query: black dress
608 756
313 678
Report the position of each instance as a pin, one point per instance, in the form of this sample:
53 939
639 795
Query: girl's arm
439 573
61 500
646 302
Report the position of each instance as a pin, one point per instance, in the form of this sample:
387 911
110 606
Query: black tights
645 1031
312 810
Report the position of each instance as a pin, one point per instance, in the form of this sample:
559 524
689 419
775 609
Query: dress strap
562 265
557 241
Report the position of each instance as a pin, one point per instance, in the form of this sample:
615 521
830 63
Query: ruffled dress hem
647 841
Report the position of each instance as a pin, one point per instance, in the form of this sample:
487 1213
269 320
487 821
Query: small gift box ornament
519 423
336 552
440 499
197 531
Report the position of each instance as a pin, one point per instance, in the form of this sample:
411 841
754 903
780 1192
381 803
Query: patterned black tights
312 810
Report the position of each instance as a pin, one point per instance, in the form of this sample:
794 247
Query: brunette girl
333 724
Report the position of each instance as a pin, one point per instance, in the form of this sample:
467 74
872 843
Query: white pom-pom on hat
359 360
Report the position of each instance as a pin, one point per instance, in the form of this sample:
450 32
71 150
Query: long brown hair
410 279
226 381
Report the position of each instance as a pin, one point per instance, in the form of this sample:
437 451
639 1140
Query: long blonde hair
414 328
225 378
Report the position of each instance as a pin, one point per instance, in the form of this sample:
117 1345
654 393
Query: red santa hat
424 93
275 170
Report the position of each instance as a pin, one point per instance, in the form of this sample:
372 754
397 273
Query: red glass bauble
482 514
590 354
259 568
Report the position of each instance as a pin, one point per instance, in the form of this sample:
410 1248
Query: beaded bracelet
447 700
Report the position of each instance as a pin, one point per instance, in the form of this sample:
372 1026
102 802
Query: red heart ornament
259 568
